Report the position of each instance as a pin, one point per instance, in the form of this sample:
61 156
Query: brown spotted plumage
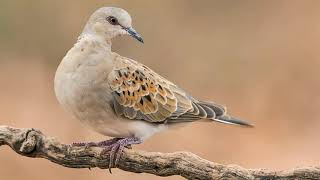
140 93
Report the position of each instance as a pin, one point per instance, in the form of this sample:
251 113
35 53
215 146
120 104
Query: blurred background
260 58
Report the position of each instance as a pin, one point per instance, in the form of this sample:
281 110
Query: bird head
110 22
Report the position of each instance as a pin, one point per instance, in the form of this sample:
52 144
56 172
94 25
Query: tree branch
32 143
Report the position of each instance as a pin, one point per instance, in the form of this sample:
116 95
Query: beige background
260 58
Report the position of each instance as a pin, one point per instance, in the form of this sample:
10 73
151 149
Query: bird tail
218 113
209 111
232 120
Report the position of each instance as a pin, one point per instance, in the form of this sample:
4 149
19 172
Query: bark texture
32 143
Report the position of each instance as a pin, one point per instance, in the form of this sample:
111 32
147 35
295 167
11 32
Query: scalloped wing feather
140 93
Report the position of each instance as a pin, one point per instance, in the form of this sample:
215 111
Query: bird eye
112 20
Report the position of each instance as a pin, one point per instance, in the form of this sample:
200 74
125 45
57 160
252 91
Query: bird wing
140 93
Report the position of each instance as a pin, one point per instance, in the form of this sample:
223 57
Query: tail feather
231 120
217 108
208 111
218 112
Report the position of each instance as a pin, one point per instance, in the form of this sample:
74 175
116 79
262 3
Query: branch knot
30 142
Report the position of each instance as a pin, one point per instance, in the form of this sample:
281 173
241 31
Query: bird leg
117 148
114 146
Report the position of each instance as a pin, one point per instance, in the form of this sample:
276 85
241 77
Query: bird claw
117 148
114 146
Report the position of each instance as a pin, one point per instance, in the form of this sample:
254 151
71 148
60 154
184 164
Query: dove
120 97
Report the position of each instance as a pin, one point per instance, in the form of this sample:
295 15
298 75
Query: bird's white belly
128 128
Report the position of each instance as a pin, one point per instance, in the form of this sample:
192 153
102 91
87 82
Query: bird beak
133 33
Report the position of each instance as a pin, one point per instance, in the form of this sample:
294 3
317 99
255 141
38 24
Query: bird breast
80 81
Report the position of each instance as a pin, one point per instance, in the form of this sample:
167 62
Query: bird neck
96 38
